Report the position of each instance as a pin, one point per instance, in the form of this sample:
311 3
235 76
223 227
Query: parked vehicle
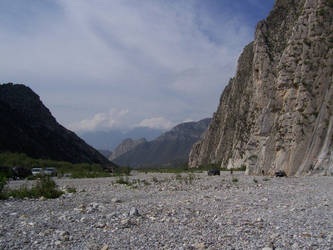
37 171
21 172
50 171
214 172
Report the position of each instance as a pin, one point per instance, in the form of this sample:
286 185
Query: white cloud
155 58
157 123
101 121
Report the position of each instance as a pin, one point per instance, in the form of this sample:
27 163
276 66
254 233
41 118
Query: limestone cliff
276 113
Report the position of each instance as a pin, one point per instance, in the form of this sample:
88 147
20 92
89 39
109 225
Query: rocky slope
27 126
125 146
276 113
171 148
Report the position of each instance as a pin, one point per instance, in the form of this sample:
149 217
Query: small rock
199 246
83 219
116 200
105 247
100 225
57 243
134 212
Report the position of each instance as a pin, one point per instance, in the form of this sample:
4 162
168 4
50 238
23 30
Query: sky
119 64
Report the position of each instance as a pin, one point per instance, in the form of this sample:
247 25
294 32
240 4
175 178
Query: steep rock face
276 113
125 146
27 126
169 149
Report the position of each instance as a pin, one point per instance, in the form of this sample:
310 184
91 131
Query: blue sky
109 64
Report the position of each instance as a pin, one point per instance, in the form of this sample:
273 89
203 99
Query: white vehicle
50 171
37 171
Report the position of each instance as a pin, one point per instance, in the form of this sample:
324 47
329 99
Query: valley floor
168 211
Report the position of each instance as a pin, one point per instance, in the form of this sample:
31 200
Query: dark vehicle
214 172
21 172
280 173
6 172
50 171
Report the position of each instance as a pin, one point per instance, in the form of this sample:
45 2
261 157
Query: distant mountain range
169 149
27 126
125 146
105 153
109 140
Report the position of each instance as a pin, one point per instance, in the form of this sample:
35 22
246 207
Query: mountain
277 112
105 153
109 140
125 146
27 126
171 148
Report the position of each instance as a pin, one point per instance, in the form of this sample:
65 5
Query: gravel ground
167 211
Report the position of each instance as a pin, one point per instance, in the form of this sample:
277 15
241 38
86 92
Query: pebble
206 214
134 212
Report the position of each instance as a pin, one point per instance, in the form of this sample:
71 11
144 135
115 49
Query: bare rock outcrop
125 146
276 113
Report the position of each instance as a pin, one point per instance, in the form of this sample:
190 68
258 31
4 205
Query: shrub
71 190
189 179
3 181
45 187
234 180
155 180
179 177
123 181
255 181
122 171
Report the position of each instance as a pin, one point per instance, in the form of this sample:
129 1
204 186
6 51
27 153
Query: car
50 171
280 173
21 172
214 172
37 171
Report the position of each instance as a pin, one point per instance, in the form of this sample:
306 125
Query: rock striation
27 126
125 146
276 113
170 149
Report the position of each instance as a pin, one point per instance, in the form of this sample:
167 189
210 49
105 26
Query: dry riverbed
166 211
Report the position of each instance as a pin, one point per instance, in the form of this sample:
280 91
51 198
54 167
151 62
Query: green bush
81 170
45 187
234 180
122 171
71 190
123 181
3 181
329 3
